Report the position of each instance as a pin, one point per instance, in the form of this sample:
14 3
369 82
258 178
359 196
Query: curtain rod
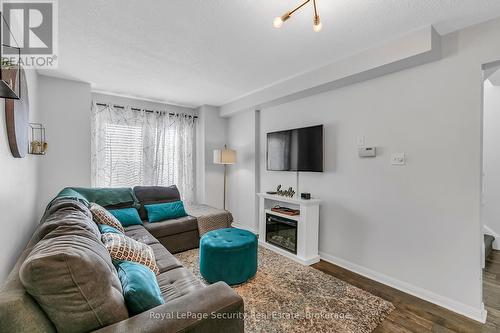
148 111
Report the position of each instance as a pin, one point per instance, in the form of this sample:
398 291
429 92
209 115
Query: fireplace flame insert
281 232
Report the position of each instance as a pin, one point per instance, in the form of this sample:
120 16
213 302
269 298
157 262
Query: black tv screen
298 149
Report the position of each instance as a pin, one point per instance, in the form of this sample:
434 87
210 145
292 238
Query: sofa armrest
216 308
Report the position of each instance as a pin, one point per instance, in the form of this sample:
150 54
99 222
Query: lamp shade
224 156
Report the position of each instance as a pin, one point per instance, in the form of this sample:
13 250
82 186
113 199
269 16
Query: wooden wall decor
17 117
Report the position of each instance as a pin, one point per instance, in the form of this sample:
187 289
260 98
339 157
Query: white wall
65 106
18 188
491 157
138 103
211 134
415 227
241 176
65 112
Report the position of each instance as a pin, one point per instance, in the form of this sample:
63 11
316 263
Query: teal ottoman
228 255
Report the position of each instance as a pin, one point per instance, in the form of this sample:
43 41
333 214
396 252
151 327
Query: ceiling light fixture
317 25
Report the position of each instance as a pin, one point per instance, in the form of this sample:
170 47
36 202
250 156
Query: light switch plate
398 159
367 152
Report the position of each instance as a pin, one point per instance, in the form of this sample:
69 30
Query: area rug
286 296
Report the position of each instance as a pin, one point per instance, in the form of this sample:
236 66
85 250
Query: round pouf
228 255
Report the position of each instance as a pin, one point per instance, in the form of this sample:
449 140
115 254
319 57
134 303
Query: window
131 148
123 157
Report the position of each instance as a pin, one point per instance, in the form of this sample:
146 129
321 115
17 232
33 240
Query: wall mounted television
299 149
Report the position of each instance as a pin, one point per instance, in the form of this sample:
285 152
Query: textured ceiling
194 52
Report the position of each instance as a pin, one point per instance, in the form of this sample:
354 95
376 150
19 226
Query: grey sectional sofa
190 305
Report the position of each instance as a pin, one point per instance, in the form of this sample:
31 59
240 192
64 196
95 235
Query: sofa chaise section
176 235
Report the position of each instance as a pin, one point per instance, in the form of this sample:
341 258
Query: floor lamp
224 156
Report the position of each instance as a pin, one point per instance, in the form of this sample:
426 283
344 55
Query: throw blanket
102 196
210 218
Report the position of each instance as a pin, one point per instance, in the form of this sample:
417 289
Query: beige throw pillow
101 216
122 247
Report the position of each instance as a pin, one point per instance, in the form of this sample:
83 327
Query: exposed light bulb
278 22
317 26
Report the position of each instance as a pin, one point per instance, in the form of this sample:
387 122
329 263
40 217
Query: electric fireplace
281 232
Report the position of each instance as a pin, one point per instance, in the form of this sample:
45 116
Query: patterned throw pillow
121 247
101 216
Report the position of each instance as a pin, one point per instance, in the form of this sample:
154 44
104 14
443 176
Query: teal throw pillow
165 211
104 228
127 216
140 287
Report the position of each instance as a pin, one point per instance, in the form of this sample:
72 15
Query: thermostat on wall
367 152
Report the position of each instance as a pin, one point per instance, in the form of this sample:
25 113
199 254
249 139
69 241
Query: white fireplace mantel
307 226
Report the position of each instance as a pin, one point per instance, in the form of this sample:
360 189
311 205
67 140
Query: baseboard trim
445 302
488 231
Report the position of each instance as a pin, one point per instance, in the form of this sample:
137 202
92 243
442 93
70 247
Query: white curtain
131 147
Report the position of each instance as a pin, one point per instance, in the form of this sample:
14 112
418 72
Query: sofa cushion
140 288
164 259
101 216
68 216
121 247
138 233
172 227
165 211
69 194
181 242
62 203
19 312
127 216
177 282
155 194
74 281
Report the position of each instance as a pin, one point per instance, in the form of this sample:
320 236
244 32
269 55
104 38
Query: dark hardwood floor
415 315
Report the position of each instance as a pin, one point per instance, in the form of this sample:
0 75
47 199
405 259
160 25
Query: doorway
490 191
